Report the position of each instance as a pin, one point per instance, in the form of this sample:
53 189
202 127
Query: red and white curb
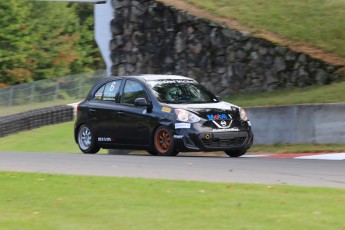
314 156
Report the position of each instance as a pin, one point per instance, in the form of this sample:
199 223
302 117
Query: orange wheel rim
163 141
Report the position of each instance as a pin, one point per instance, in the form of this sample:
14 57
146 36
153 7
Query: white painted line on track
329 156
310 156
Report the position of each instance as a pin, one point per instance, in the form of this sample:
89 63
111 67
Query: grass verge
332 93
44 201
54 138
59 138
316 22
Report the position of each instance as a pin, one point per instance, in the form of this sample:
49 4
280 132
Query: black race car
163 114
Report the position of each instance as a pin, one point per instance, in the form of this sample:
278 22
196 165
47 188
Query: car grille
237 141
224 140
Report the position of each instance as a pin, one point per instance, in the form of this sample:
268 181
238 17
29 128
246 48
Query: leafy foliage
40 40
86 44
15 42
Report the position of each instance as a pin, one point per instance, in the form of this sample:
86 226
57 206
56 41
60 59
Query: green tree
87 46
40 40
15 42
55 36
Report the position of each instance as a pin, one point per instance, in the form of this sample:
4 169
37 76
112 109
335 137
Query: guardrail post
10 97
57 89
80 91
32 98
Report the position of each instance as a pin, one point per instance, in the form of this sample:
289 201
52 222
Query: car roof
154 77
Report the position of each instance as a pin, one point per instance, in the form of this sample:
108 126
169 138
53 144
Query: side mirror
141 102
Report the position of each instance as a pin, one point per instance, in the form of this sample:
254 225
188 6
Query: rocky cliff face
149 37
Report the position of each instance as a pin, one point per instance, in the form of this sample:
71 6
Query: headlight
185 116
243 115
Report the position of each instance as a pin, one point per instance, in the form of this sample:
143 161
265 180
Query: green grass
54 138
43 201
59 138
331 93
317 22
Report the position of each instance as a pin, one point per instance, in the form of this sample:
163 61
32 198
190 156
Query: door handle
120 113
92 111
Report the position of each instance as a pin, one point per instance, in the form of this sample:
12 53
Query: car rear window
108 92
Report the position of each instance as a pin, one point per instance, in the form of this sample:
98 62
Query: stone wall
149 37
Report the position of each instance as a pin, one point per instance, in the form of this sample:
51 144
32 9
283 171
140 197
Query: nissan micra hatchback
163 114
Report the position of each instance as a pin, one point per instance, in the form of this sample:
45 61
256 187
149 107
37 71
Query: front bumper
198 138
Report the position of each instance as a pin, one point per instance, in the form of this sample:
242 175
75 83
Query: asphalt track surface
319 173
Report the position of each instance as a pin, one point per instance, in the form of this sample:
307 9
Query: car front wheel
163 142
86 140
236 153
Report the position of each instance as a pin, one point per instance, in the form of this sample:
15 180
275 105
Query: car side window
111 91
98 95
132 91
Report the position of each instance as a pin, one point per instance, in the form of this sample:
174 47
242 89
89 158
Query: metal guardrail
298 124
34 119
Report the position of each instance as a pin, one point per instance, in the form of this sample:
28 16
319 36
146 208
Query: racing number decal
112 86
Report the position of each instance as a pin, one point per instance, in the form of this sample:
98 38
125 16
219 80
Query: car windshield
181 91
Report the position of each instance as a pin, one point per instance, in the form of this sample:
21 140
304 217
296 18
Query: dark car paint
126 117
139 128
132 127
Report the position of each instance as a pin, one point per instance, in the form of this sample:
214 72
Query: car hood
218 111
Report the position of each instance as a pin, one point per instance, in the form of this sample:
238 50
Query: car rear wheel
236 153
163 142
86 140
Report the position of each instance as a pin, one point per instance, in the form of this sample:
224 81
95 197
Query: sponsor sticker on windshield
172 81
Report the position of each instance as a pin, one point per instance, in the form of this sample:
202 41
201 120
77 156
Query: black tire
163 142
86 140
236 153
152 152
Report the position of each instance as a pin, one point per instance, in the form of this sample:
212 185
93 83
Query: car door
103 113
133 121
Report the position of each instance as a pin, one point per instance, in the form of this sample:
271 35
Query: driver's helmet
173 94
